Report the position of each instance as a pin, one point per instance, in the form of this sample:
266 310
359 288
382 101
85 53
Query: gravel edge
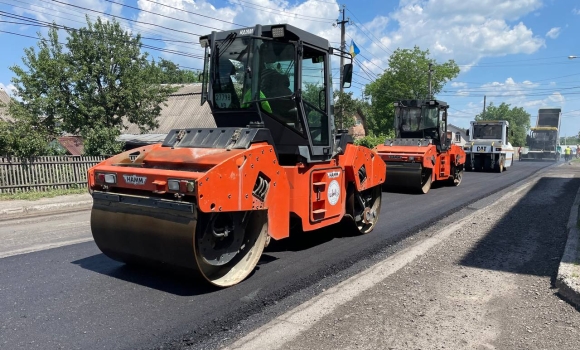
568 279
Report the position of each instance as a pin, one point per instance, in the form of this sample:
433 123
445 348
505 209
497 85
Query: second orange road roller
210 199
422 151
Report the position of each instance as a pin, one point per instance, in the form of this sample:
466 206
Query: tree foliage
170 73
406 78
101 78
344 110
26 137
518 118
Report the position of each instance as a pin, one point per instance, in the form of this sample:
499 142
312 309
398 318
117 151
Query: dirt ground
490 285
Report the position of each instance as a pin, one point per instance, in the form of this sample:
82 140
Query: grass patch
35 195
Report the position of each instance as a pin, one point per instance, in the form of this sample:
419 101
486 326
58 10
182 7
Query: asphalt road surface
74 297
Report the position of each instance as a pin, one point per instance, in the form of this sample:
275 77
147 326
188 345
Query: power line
126 19
193 13
378 42
268 9
142 28
45 24
282 11
161 15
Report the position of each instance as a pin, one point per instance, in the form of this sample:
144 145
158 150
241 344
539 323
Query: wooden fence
44 173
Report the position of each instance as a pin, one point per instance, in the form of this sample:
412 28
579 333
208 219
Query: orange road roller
210 199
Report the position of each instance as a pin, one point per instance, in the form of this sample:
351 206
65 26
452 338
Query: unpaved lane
21 236
488 285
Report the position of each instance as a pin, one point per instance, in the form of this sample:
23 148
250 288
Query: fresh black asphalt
74 297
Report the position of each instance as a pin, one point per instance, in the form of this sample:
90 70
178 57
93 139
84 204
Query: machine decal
135 180
246 31
223 99
333 192
480 148
333 174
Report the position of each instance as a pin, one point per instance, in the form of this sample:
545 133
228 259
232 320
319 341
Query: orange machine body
222 180
439 164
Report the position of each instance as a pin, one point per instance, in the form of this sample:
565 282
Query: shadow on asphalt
530 238
178 282
300 240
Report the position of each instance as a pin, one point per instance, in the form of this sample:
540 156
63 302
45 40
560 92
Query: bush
101 141
372 141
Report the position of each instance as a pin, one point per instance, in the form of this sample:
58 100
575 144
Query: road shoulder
480 281
568 279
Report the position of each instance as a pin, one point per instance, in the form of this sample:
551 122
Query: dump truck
422 151
208 200
544 139
489 147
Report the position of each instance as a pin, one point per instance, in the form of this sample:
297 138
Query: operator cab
422 119
276 77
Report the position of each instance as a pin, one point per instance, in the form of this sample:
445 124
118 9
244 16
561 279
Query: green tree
170 73
345 108
27 136
518 118
100 80
406 78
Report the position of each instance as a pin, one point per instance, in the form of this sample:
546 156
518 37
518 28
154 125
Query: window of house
457 137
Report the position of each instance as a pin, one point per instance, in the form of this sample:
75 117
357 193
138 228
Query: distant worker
567 154
520 154
558 152
577 151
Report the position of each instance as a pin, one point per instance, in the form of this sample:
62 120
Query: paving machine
209 200
489 148
544 138
422 150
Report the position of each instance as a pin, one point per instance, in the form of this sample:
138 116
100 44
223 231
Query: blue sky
513 51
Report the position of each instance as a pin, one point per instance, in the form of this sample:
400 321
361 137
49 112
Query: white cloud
576 11
455 29
553 33
10 89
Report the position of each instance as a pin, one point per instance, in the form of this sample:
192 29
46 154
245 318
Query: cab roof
290 33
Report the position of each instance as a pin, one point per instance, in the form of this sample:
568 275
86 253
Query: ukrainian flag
353 49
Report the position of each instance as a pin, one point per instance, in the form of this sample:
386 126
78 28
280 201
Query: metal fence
44 173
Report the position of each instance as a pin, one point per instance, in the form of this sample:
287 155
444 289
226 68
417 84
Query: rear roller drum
367 207
222 248
229 245
455 180
426 181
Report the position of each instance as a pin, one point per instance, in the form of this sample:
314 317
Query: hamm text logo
134 179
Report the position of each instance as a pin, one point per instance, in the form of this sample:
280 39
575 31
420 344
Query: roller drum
151 231
404 175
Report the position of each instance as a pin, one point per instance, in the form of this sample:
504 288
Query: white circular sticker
333 193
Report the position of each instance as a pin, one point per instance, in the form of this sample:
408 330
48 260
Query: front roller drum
221 248
408 176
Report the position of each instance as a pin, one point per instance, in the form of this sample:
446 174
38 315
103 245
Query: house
358 129
69 145
183 111
459 135
4 101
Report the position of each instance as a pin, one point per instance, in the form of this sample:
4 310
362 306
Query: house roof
183 110
4 101
141 139
73 144
455 127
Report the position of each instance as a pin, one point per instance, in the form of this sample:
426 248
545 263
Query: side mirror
347 75
467 132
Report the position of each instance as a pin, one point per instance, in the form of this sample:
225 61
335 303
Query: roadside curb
568 279
43 209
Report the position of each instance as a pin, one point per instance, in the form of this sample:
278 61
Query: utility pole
342 24
483 115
